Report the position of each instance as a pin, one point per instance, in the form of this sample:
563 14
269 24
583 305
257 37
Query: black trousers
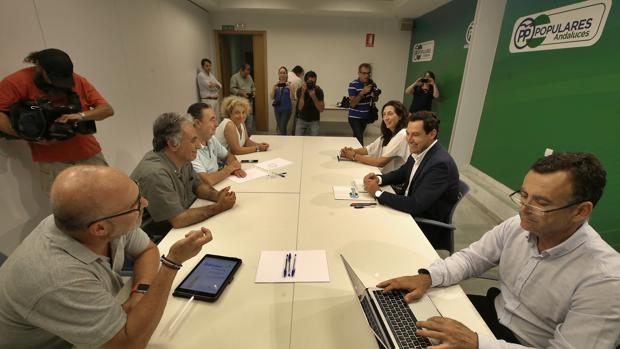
486 307
358 126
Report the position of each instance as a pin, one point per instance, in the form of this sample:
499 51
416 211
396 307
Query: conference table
299 212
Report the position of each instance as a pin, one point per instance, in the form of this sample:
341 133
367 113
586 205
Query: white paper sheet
252 173
310 266
344 193
275 163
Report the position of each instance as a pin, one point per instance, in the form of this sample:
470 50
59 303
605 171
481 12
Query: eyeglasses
365 72
137 209
539 211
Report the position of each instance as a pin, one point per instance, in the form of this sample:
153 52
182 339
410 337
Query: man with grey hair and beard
58 288
169 182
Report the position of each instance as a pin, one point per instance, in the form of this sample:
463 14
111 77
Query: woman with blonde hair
231 132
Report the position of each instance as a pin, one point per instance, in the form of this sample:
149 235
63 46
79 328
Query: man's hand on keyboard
451 333
415 285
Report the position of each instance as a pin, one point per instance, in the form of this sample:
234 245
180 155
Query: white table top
247 315
285 147
379 242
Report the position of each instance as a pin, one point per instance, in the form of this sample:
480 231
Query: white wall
331 46
478 66
142 55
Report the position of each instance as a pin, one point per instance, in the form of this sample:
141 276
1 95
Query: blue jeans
282 121
309 128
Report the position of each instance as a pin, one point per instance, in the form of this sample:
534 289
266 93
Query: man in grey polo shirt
58 288
559 279
169 182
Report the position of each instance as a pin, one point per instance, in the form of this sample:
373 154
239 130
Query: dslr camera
35 120
374 90
310 85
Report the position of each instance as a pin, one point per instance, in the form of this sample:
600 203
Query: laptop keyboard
401 319
371 319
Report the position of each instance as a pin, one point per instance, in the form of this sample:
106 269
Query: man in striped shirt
361 96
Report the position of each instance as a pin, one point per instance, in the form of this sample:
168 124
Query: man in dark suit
429 178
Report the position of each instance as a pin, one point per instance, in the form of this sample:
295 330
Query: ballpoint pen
289 265
294 261
285 264
283 174
354 204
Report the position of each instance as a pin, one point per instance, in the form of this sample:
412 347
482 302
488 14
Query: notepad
344 193
251 173
310 266
273 164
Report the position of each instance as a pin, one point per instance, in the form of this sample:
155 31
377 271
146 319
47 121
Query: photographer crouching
54 110
363 93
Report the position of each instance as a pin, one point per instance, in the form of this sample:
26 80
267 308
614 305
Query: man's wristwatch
140 288
423 271
257 149
82 116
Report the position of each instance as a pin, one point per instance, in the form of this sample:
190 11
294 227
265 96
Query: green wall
446 25
566 99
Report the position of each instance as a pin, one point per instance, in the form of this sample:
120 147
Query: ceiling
347 8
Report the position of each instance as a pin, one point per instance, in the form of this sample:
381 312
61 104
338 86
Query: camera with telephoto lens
374 90
310 85
35 120
424 80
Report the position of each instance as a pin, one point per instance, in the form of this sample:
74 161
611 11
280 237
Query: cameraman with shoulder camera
363 93
67 107
310 105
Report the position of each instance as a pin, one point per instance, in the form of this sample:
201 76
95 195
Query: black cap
57 65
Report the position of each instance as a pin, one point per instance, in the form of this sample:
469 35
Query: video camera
34 120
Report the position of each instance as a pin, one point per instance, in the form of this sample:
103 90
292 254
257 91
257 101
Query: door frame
259 50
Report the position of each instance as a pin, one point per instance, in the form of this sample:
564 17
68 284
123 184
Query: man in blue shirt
212 152
363 92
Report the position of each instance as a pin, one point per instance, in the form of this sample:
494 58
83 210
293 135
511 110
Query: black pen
354 204
249 161
294 262
285 264
283 174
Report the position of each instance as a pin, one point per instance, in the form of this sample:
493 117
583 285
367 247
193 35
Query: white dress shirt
203 80
397 149
565 297
418 159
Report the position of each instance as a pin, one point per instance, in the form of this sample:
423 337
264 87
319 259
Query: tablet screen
209 276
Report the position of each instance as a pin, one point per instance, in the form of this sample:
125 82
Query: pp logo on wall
423 51
468 33
576 25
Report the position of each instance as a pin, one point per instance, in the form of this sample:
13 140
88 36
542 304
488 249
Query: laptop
389 316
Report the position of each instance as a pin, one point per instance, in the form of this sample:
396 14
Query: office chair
444 241
3 258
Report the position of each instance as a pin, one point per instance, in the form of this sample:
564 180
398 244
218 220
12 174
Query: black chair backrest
463 189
